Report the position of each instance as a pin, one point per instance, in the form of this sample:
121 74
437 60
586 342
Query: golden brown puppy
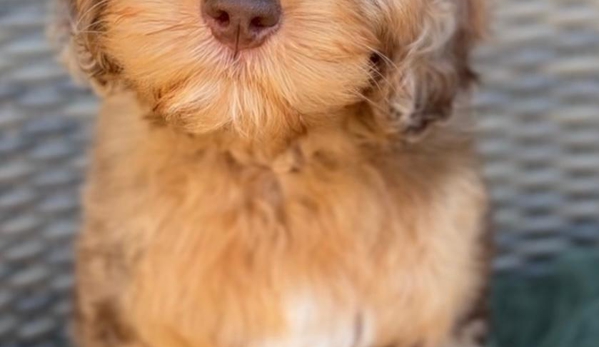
272 173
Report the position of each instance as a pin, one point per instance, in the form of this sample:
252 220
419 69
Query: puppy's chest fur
327 244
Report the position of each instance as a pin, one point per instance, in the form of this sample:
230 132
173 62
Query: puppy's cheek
338 87
158 42
322 65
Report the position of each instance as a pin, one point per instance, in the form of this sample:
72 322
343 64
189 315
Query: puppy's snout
242 24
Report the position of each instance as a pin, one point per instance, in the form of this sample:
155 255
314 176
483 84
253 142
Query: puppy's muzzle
242 24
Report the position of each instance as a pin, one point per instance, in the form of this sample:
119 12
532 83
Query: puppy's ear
428 45
76 31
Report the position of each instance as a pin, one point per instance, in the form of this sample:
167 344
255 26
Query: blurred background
538 121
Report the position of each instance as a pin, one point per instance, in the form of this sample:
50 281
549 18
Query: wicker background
539 136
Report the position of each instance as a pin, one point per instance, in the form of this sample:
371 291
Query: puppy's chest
317 213
327 253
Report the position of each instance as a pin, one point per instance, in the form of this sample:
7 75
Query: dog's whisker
83 16
89 32
84 30
169 28
383 56
372 103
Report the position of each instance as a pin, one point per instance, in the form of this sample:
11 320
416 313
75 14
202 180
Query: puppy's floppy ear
428 45
76 31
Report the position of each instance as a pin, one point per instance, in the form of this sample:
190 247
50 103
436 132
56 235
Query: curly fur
303 193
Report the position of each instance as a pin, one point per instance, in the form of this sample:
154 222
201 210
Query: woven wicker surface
539 136
44 123
538 116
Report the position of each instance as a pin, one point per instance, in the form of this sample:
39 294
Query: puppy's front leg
99 319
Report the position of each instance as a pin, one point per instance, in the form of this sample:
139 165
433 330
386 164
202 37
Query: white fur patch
317 322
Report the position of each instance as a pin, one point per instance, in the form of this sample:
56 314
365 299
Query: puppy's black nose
242 24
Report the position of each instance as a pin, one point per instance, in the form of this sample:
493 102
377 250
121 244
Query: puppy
279 173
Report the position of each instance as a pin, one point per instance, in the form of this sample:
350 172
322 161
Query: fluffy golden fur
300 194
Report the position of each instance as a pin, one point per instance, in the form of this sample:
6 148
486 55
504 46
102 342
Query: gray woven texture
538 113
539 137
44 122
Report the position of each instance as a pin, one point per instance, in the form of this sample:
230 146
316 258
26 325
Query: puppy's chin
309 68
205 106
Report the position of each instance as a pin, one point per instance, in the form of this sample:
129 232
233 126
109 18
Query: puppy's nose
242 24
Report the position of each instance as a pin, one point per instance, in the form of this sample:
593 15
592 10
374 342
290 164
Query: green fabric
559 309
